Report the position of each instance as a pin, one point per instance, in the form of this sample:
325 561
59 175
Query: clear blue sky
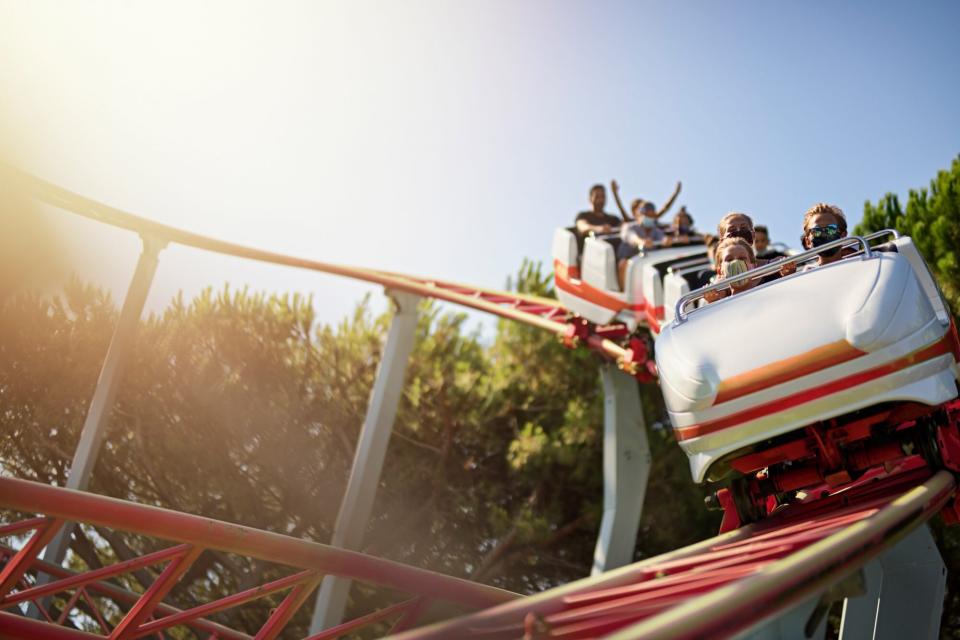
451 138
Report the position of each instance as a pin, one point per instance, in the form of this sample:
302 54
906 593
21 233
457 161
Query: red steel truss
143 614
710 589
719 587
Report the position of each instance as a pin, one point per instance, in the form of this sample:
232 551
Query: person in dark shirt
761 242
596 220
682 231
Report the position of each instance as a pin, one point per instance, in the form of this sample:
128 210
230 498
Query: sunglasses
831 231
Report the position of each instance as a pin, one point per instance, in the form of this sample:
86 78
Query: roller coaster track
716 588
713 589
546 313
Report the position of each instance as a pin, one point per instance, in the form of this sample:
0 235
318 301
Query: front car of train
815 378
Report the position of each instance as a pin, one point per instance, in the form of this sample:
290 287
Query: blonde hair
725 220
823 207
728 243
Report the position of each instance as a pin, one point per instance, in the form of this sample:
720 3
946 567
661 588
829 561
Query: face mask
648 222
746 234
734 268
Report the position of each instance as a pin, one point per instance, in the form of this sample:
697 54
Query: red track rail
307 563
545 313
725 585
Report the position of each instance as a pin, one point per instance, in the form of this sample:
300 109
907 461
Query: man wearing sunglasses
824 223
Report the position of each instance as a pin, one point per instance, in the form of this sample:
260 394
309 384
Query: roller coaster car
815 378
588 284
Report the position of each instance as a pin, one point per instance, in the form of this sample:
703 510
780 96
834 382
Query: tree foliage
241 407
932 220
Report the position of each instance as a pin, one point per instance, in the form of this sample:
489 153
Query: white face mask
648 222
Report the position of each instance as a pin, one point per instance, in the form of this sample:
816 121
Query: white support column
626 467
368 460
898 595
791 625
95 425
905 590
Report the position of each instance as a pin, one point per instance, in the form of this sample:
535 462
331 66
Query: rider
734 256
597 220
761 244
639 201
822 223
681 230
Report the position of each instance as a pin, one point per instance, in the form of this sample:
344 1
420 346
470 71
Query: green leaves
239 406
932 220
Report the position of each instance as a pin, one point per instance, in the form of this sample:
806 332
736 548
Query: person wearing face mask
734 257
643 233
639 201
733 225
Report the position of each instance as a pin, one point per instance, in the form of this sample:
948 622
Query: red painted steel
18 565
196 534
370 618
144 607
93 576
641 594
872 515
121 596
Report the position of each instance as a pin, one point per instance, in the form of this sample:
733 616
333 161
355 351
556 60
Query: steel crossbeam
194 535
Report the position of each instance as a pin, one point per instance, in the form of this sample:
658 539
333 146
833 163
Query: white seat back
907 249
565 248
599 266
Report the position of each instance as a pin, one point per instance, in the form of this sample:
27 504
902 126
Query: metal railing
768 269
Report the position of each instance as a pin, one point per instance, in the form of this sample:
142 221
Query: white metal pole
95 425
626 468
357 502
905 589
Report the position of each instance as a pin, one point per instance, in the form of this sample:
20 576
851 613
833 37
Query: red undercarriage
840 453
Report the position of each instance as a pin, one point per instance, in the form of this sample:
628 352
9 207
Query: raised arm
669 203
616 196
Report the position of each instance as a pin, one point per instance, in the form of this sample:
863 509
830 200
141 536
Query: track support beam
626 467
371 449
98 415
905 589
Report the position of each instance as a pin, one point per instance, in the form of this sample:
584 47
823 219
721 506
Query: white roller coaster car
815 375
589 286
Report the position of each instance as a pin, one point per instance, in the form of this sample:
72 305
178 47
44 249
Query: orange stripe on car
938 348
562 277
787 369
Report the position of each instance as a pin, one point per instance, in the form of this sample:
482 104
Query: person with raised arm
637 202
